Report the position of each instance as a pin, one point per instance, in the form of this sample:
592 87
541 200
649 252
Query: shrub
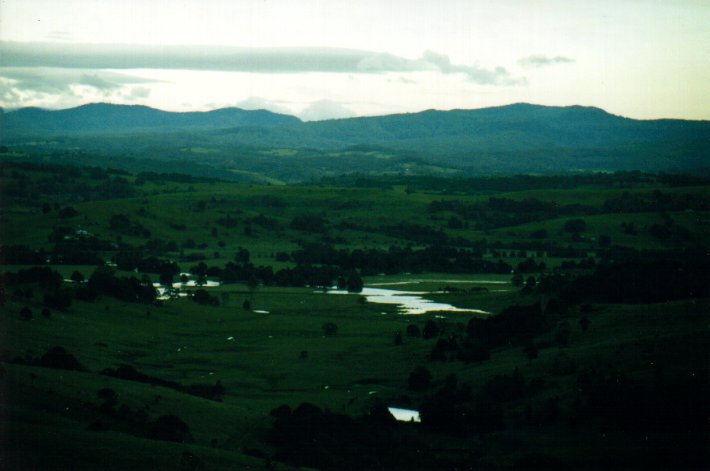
329 329
170 428
26 313
59 358
419 379
413 331
431 329
59 300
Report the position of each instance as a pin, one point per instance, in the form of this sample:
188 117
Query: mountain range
512 138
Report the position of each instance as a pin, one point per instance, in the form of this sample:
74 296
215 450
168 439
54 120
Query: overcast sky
335 58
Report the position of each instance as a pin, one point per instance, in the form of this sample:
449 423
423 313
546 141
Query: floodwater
408 302
405 415
433 280
165 293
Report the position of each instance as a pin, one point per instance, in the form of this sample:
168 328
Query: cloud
59 35
139 92
222 58
325 109
537 61
46 86
93 80
383 62
259 103
497 76
9 96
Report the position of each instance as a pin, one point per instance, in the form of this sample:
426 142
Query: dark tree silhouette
26 313
59 358
329 329
413 331
431 329
354 283
419 379
531 350
575 226
584 323
170 428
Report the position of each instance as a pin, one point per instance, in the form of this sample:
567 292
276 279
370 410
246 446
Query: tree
354 283
531 351
530 284
77 277
252 283
170 428
26 313
201 296
584 323
242 256
419 379
575 226
167 271
431 329
329 329
109 398
59 300
59 358
398 338
562 334
604 240
68 212
413 331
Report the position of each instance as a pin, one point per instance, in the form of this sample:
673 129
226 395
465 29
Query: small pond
405 415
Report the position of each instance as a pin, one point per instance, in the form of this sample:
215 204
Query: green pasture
258 359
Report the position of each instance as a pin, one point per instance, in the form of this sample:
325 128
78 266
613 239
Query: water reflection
405 415
174 291
408 302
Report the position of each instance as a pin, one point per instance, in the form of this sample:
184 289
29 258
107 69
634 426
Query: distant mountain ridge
512 138
98 118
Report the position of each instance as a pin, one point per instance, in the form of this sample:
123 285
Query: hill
508 139
99 118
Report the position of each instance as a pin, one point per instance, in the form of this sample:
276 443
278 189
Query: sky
323 59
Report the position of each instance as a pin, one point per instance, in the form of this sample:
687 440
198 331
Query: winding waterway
408 302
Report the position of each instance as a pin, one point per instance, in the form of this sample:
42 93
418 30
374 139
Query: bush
59 358
201 296
170 428
419 379
474 350
329 329
59 300
575 226
431 329
413 331
26 313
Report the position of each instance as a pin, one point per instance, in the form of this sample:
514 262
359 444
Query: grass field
278 352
